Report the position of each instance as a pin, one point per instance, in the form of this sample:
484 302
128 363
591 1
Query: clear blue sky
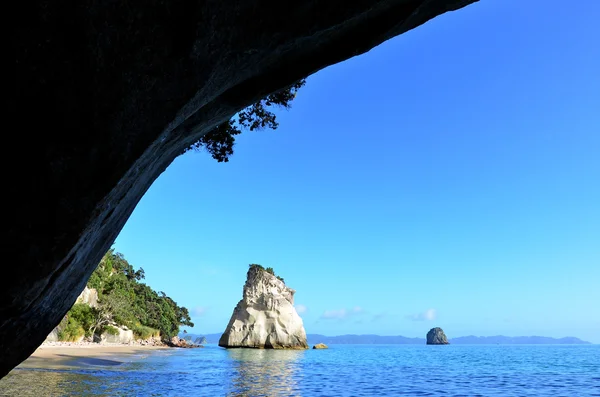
449 177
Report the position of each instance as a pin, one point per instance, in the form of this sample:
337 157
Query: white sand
66 354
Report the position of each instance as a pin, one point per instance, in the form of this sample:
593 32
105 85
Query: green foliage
220 140
144 332
125 300
85 316
71 332
111 330
268 270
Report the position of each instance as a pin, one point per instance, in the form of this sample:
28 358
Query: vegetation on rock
124 300
71 331
220 140
268 270
111 330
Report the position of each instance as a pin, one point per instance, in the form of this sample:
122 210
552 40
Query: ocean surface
342 370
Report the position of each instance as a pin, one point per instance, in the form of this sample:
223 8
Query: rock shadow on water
258 372
86 361
68 362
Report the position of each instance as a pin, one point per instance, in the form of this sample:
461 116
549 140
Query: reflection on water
258 372
25 382
28 382
357 371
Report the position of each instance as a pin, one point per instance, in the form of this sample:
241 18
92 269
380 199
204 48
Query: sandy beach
65 355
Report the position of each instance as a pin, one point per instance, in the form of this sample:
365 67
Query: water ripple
343 370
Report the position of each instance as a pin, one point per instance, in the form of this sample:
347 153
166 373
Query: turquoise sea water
342 370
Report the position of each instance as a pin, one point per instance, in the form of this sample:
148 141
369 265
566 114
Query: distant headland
402 340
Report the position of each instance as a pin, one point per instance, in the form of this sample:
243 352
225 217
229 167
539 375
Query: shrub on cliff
143 332
125 300
111 330
72 331
220 140
85 316
269 270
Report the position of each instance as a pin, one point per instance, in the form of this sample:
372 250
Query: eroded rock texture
108 93
265 317
436 336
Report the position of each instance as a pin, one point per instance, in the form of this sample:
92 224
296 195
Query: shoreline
95 345
63 355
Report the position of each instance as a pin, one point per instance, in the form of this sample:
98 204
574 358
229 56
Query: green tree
125 300
85 316
220 140
72 330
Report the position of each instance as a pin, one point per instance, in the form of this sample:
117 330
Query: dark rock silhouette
436 336
107 94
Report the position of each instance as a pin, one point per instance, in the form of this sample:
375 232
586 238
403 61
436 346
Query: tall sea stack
436 336
265 318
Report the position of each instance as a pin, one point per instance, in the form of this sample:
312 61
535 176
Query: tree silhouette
220 141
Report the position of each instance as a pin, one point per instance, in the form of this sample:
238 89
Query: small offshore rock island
265 317
436 336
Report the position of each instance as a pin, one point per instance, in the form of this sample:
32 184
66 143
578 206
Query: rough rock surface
125 336
183 343
151 341
265 317
89 296
436 336
106 94
320 346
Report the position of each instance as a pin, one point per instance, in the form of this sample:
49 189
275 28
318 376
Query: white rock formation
265 317
88 296
125 335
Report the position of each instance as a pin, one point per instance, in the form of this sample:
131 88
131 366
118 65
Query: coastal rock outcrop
265 317
124 335
107 94
320 346
436 336
89 296
183 343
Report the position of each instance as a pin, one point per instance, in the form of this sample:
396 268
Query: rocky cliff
436 336
104 95
89 296
265 318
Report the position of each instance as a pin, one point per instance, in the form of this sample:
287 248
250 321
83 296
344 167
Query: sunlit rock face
124 335
265 318
107 94
89 296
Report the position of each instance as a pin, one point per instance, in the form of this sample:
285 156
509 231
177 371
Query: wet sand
69 356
